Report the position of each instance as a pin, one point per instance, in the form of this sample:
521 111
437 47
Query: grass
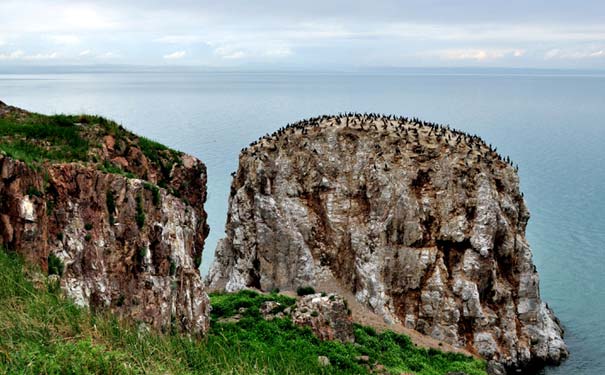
35 139
159 154
44 333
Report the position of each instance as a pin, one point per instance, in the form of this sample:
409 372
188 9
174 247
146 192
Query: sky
315 34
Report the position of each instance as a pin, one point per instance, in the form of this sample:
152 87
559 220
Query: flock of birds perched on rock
406 128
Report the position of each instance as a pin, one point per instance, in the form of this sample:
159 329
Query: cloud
180 39
65 39
175 55
278 52
229 53
518 52
320 33
20 55
574 54
15 55
478 54
60 16
108 55
41 56
495 32
234 55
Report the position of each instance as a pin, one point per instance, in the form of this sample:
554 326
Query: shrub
155 193
227 305
88 237
88 226
55 265
172 267
32 191
140 217
142 252
111 168
110 200
305 290
50 207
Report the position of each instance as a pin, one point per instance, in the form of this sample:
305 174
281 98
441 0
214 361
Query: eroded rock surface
327 315
425 225
125 243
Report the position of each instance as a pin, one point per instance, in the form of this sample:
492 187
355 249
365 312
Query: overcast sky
308 33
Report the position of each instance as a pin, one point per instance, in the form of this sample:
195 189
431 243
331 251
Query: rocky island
118 219
422 224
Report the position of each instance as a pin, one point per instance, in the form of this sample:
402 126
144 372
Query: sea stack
423 224
116 219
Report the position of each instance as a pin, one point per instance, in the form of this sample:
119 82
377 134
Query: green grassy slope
44 333
35 139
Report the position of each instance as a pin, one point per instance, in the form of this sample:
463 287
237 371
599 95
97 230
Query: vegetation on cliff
44 333
94 140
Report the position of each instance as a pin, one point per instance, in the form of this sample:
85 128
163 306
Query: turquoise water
552 125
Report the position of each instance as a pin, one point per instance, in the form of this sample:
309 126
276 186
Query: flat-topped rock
424 224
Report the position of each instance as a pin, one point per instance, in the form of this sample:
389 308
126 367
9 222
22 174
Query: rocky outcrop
130 241
327 315
423 224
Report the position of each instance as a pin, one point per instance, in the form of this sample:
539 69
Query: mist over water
551 124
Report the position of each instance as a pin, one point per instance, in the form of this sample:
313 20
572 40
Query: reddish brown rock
126 244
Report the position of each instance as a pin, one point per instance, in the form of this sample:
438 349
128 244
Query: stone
327 316
323 360
268 308
495 368
425 225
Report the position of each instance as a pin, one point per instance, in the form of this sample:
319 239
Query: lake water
551 124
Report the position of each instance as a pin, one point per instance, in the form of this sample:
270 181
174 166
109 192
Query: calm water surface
552 125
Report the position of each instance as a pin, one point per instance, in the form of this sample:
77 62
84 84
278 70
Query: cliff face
118 239
424 225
